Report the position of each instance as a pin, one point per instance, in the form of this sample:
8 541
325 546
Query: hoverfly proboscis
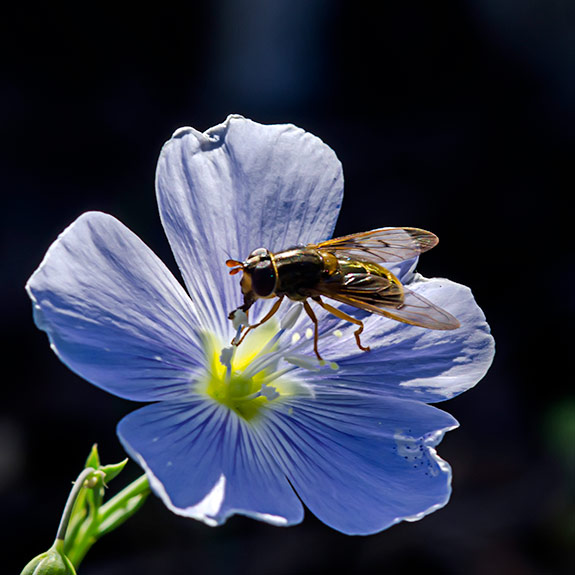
346 269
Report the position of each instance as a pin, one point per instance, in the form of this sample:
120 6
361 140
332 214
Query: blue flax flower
259 429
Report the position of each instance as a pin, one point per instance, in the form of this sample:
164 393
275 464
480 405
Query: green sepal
109 471
94 458
51 562
113 470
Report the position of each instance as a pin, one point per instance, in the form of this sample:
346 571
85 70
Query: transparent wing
382 245
383 296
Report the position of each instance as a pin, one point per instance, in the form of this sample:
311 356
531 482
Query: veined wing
382 245
384 296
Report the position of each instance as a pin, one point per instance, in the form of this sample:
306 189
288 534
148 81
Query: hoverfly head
259 275
262 273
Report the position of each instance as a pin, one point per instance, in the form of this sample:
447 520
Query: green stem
109 516
87 534
139 486
76 489
123 505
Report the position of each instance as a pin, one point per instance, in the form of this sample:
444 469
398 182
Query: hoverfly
347 270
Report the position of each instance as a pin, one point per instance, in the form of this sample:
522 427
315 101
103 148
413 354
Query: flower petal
362 463
205 462
410 361
237 187
114 313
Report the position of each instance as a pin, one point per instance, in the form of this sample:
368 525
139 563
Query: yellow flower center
234 378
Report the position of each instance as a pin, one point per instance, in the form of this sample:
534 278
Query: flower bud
51 562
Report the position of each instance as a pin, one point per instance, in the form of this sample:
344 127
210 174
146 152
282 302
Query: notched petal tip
210 138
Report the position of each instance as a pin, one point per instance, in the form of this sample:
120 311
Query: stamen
305 361
291 317
311 363
266 356
249 397
274 375
239 319
226 358
269 392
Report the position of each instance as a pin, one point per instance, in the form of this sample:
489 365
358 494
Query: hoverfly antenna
237 266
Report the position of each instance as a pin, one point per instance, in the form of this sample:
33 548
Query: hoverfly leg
313 318
346 317
268 316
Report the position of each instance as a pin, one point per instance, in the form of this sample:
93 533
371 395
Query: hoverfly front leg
344 316
268 316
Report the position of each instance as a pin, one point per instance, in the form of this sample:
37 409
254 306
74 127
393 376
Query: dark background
454 116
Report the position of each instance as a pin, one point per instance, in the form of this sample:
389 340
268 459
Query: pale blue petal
237 187
409 361
205 462
361 464
405 270
114 313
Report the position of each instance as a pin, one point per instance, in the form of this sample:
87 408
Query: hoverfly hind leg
342 315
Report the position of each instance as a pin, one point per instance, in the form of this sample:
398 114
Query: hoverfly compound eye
263 278
260 253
